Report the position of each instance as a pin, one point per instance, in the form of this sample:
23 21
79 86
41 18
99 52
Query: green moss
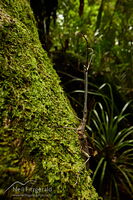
33 109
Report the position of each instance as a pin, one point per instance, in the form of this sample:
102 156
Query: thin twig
81 128
86 68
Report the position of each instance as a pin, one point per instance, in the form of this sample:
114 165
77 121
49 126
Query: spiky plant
111 140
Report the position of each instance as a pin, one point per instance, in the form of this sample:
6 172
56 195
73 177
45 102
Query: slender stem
85 101
81 128
86 68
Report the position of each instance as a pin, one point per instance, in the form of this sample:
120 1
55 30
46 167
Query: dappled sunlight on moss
33 110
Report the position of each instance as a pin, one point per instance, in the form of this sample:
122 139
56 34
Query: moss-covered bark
33 108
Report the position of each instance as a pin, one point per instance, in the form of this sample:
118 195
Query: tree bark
81 8
33 110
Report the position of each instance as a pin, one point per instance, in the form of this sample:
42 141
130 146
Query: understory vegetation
73 32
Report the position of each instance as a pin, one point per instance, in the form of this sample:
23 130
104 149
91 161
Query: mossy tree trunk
33 110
